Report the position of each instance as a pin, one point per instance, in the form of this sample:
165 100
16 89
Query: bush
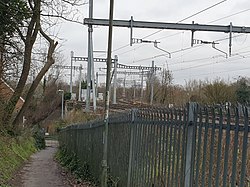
74 166
39 136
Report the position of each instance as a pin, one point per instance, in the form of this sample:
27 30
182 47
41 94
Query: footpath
41 170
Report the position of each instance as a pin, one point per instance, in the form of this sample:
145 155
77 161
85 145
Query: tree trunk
1 55
50 61
29 41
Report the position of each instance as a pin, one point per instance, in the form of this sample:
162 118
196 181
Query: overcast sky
200 62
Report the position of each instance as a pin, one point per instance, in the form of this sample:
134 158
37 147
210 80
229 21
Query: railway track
120 106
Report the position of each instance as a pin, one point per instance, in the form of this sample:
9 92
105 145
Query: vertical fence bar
143 146
159 172
156 151
139 145
150 148
146 177
178 149
198 154
139 176
170 136
227 149
131 149
189 145
165 148
211 161
134 155
153 149
174 148
245 147
183 154
235 150
219 149
203 177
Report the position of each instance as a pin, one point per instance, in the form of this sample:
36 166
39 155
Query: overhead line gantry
194 27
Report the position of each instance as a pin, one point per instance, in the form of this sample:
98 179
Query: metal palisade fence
158 147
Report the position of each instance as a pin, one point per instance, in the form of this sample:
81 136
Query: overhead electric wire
201 11
226 71
131 50
231 15
177 22
183 49
202 65
141 45
192 47
164 37
234 14
156 32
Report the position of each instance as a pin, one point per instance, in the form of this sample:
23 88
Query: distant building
6 92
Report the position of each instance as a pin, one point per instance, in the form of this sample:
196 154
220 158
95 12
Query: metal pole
71 72
115 79
152 84
90 54
93 81
61 92
142 86
230 39
104 178
80 83
131 31
192 36
131 148
134 88
190 145
124 87
62 103
97 84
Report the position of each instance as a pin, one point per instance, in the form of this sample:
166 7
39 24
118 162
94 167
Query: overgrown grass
73 165
13 152
77 116
73 117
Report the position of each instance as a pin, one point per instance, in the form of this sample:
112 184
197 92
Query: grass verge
71 164
13 152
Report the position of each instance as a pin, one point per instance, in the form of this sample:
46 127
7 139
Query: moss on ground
13 152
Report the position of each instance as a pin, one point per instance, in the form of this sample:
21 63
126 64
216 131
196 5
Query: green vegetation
73 117
39 136
73 165
67 96
13 152
12 15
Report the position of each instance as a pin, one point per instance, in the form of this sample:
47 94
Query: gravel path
41 171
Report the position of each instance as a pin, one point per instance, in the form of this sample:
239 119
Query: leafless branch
62 17
21 34
74 3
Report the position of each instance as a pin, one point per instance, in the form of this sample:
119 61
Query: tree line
28 48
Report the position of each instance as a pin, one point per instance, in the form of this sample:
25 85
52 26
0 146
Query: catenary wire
177 22
195 14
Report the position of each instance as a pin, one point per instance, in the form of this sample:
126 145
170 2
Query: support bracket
156 46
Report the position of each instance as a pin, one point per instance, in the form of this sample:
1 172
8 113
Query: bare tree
35 26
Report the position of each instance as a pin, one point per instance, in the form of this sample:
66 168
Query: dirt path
41 171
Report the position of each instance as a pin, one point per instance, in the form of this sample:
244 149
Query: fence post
131 146
190 142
